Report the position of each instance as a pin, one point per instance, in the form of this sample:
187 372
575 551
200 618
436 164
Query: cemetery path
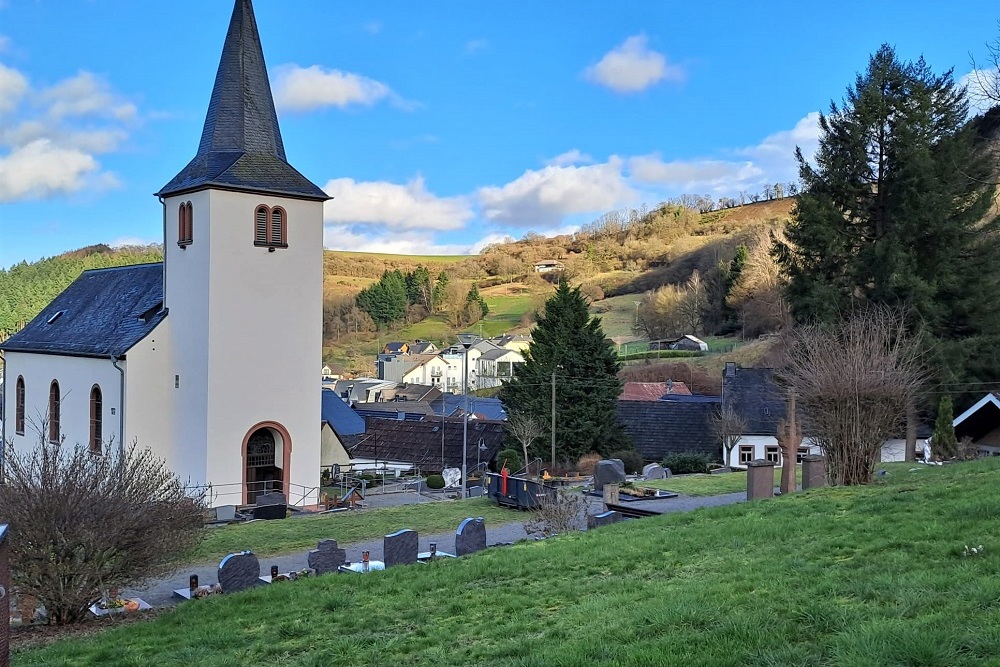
159 593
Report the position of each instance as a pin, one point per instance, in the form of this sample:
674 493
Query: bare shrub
854 383
728 426
85 524
587 463
525 428
562 511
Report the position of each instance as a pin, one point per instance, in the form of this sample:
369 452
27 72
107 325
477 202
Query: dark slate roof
241 147
658 428
484 408
754 395
339 415
419 443
104 312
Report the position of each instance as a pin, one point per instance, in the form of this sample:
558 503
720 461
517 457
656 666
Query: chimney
730 369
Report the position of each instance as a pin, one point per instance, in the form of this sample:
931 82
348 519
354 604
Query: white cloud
568 158
541 199
310 88
130 242
689 174
13 86
368 239
633 66
41 169
86 95
398 207
983 86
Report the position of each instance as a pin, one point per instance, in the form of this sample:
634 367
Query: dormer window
270 227
185 225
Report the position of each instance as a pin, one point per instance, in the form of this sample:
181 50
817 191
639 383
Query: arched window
277 227
270 227
54 412
185 224
96 420
19 406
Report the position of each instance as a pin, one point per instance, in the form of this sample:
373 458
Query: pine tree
944 445
569 342
893 212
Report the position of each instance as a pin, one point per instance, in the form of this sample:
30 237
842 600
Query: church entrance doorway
266 450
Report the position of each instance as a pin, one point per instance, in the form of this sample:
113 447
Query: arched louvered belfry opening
96 420
55 404
19 406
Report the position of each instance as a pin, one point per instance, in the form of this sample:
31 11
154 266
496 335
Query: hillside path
160 593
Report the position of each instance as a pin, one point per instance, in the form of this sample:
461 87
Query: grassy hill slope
865 577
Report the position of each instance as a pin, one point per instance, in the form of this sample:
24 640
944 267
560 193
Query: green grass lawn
843 577
711 485
270 538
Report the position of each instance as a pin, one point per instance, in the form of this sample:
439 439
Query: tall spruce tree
569 342
894 212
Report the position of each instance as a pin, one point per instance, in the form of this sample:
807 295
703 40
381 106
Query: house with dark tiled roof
658 428
150 354
981 424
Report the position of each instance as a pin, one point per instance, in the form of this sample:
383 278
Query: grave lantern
365 558
274 572
434 550
193 582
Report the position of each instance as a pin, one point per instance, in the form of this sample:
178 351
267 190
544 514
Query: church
210 358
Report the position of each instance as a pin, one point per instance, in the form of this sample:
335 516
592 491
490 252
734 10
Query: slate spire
241 147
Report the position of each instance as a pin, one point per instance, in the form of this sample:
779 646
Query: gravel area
160 593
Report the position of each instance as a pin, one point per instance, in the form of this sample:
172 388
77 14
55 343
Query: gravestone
760 479
4 598
271 498
655 471
603 519
400 548
813 471
238 572
470 536
608 471
326 557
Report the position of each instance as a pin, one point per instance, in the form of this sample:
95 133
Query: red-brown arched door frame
286 457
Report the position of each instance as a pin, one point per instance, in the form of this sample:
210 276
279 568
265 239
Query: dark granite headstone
326 557
603 519
470 536
400 548
4 598
608 471
271 498
654 471
269 512
238 572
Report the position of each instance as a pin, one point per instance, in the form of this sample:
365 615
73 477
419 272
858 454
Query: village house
148 354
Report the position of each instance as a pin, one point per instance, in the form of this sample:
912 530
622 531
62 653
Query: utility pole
553 421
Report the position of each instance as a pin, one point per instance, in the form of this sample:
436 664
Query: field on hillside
873 576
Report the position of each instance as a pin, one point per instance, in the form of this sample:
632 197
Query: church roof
241 147
103 313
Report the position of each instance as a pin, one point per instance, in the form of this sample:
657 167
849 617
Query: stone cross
238 572
4 598
400 548
326 557
470 536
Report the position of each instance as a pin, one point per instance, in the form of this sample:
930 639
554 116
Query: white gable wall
76 377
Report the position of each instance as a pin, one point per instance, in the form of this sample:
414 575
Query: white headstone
452 477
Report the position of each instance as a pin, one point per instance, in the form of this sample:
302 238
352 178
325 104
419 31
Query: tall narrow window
260 226
96 420
277 227
19 406
54 412
185 231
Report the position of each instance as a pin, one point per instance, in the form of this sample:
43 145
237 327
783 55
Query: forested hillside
27 288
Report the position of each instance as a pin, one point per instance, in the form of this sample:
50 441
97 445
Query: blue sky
437 126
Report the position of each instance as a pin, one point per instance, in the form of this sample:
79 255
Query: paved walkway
160 593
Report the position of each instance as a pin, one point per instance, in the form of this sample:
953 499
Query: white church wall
76 377
264 336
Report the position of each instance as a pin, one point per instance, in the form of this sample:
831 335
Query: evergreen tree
893 212
440 291
418 287
944 444
569 342
384 301
475 297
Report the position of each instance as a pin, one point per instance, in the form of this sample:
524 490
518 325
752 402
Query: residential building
659 428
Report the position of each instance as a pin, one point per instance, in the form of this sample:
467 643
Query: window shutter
260 234
277 227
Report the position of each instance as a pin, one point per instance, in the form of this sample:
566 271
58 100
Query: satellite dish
452 477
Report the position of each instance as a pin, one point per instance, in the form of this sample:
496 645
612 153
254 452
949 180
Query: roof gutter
121 406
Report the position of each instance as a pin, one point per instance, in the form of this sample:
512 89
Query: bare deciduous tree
728 426
526 429
984 81
85 524
854 382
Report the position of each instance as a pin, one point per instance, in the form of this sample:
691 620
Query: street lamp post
466 339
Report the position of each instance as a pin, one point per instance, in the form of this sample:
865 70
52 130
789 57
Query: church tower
243 277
